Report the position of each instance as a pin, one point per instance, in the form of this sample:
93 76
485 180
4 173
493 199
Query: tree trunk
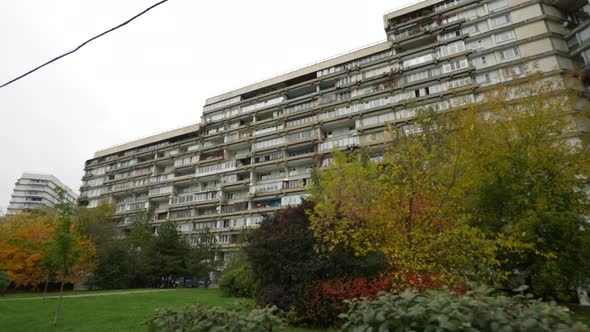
583 296
61 289
46 284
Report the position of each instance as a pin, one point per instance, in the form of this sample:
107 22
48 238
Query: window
458 83
421 92
513 70
479 44
480 61
454 65
509 53
496 5
450 35
487 78
505 36
418 60
437 88
417 76
452 48
501 20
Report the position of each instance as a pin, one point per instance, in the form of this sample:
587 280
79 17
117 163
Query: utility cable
82 45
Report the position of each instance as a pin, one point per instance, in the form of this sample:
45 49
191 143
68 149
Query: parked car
190 282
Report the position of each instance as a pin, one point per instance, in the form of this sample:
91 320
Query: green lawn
581 314
122 312
101 313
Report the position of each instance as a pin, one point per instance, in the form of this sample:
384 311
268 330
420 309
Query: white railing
377 119
160 191
300 107
217 168
339 143
266 187
186 161
300 122
268 143
198 197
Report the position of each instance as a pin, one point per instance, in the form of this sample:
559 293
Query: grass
581 314
121 312
101 313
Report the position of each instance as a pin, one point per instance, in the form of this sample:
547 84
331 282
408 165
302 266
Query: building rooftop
312 68
48 177
147 140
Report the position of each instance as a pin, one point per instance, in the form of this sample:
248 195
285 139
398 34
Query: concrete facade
34 191
255 148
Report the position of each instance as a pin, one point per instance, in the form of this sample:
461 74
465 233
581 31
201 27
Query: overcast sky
151 75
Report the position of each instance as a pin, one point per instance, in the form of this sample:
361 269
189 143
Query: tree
201 260
405 207
67 247
167 254
96 223
237 279
530 176
113 266
4 282
475 193
21 248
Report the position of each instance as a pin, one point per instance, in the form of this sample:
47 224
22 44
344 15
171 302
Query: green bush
240 317
444 310
4 282
237 279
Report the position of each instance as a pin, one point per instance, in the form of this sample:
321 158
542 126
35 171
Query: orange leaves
21 248
22 242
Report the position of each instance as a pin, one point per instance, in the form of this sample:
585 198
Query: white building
34 191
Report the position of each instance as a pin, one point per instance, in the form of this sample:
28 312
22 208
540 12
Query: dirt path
86 295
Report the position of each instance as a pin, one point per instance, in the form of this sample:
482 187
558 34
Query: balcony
268 143
345 142
267 130
194 198
186 161
300 107
131 207
382 120
216 168
266 187
269 157
160 191
234 207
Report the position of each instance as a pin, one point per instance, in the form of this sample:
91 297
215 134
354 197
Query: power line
83 44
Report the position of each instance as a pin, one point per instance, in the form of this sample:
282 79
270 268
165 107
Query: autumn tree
472 193
21 248
405 209
530 176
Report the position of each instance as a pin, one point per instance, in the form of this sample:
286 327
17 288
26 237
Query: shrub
237 279
444 310
198 317
325 299
287 265
4 282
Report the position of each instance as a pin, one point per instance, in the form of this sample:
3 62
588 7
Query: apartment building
35 191
255 147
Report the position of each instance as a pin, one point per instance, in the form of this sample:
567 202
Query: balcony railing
339 143
266 187
190 198
216 168
160 191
